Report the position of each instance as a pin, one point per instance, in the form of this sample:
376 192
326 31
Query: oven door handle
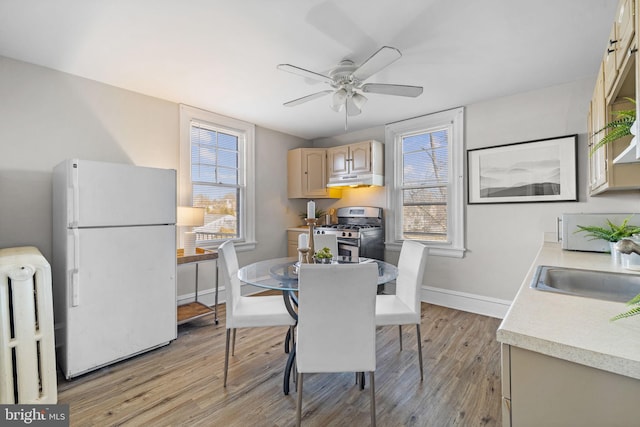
348 242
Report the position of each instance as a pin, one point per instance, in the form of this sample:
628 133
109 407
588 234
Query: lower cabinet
540 390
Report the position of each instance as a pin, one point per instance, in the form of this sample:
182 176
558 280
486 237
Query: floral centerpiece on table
323 256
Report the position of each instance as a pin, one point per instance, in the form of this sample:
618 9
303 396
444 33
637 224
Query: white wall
503 239
47 116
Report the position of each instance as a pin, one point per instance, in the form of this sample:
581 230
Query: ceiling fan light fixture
347 81
359 100
338 100
352 108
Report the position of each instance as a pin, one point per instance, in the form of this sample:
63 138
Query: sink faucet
627 246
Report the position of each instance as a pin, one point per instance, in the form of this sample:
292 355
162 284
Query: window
425 190
216 173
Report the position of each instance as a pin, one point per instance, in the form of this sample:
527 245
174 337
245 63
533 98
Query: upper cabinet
307 174
598 160
356 159
625 31
616 81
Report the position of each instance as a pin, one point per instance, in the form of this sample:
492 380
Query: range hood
356 180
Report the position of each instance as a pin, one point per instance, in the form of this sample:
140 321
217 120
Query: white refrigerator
114 262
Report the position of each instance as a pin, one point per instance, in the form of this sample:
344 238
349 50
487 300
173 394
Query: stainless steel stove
359 231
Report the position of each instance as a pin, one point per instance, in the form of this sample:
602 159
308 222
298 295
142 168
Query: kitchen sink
602 285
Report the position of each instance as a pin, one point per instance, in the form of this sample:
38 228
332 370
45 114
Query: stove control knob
344 234
349 234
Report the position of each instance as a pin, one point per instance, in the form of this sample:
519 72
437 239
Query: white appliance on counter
114 262
579 241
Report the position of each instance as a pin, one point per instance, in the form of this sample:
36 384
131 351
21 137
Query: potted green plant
612 234
618 128
323 256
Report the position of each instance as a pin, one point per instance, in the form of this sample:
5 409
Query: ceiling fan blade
386 89
307 98
305 73
376 62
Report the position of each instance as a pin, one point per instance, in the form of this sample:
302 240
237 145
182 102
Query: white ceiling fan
347 81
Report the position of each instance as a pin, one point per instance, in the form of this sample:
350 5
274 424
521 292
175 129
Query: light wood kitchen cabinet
540 390
609 62
355 158
615 82
597 160
625 31
307 174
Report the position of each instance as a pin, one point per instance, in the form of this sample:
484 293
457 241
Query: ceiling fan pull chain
346 116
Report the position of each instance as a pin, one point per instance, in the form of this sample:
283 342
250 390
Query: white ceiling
221 55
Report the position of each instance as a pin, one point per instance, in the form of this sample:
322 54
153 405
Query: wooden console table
196 309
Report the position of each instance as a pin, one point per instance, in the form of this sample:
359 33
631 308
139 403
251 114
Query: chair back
229 274
326 241
336 318
411 266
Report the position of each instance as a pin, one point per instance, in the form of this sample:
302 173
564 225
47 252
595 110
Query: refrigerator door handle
75 273
74 196
75 289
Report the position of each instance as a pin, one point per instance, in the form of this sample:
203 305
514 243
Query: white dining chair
336 322
246 312
403 308
326 241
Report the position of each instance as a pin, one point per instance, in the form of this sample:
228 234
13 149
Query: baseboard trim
473 303
479 304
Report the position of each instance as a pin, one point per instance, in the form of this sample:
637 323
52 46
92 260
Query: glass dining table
281 274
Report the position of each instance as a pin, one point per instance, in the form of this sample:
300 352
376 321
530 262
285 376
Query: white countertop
573 328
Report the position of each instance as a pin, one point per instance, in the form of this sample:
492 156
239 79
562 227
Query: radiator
27 345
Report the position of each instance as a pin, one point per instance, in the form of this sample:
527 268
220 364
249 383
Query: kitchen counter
300 228
573 328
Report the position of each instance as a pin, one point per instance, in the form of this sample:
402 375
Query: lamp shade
190 217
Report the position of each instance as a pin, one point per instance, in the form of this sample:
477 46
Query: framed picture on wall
543 170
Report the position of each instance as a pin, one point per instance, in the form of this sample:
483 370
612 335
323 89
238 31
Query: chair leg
299 402
420 351
233 343
400 334
226 357
372 389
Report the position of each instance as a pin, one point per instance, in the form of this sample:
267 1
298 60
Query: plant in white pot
612 233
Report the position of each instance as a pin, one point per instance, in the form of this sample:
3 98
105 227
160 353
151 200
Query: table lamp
189 217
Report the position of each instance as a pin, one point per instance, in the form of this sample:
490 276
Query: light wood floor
181 384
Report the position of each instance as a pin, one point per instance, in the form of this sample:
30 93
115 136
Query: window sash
235 176
441 195
222 200
428 161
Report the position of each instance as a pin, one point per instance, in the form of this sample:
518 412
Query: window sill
433 250
240 246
